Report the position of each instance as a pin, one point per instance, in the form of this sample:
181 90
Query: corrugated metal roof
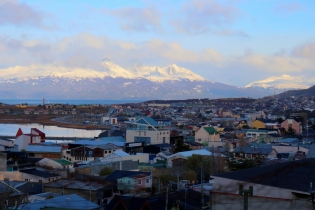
41 148
63 202
192 152
121 153
75 184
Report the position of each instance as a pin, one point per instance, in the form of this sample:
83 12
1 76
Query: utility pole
166 200
246 193
177 180
312 192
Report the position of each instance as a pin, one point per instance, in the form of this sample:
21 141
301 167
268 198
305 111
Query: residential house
44 151
294 124
253 151
147 130
262 123
23 140
206 134
267 138
30 175
255 133
283 181
10 196
84 153
7 145
140 181
96 192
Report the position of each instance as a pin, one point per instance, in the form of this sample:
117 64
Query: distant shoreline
49 122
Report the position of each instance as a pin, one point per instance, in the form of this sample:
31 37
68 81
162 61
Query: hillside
304 92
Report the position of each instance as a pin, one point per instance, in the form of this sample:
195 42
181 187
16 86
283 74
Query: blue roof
113 139
67 202
147 121
102 141
43 148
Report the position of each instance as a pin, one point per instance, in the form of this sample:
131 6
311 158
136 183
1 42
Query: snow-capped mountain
109 80
106 69
284 82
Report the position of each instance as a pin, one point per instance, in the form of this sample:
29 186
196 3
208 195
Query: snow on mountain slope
282 82
171 72
106 69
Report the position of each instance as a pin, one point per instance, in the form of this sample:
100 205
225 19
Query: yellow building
259 123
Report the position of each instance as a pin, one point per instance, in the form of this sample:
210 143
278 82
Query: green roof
211 130
63 162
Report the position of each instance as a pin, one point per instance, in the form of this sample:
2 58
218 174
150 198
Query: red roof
38 131
19 133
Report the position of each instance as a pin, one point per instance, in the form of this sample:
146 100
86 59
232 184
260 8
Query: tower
43 101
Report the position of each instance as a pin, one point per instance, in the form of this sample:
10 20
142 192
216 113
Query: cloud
199 16
272 63
305 51
19 14
87 51
288 8
137 19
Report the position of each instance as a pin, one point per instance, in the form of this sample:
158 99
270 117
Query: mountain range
111 81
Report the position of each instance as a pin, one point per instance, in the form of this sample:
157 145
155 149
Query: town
232 153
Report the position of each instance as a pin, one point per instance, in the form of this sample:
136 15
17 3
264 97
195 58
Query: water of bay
71 101
50 131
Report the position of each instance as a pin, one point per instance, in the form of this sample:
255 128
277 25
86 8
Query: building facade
147 130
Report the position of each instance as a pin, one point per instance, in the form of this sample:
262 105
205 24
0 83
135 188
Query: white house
147 130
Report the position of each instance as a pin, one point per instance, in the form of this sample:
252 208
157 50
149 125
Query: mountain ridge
109 80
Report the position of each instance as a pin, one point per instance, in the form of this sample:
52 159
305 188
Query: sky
230 41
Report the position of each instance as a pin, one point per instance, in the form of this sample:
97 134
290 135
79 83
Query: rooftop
43 148
35 172
75 184
63 162
63 202
293 175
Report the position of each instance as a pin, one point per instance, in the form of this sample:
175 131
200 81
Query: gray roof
75 184
63 202
288 140
294 175
41 148
35 172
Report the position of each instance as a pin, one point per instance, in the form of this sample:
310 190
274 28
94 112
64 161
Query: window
147 180
128 181
139 181
40 181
